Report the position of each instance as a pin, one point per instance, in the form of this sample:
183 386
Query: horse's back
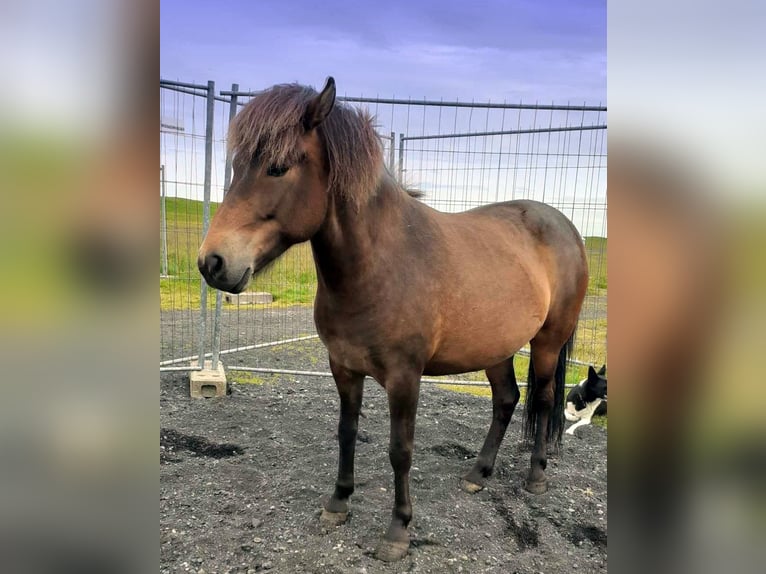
553 238
544 223
536 231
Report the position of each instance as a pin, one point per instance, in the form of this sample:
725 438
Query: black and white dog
587 399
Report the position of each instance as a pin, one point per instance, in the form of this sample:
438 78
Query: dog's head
595 384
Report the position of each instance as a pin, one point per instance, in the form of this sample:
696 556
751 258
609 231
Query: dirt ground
242 479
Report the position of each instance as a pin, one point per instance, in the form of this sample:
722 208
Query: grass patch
180 292
184 234
251 378
596 253
600 421
245 378
590 342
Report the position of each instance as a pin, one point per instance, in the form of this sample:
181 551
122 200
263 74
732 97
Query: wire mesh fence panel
182 170
460 154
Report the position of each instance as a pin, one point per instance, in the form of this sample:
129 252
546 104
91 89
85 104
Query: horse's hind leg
544 357
505 396
350 389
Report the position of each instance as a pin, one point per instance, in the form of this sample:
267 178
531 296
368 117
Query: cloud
485 50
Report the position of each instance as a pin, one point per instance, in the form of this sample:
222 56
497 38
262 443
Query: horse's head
279 191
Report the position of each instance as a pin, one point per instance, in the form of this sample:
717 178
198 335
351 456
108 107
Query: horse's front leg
402 393
350 388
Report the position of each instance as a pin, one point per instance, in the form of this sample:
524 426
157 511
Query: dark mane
271 124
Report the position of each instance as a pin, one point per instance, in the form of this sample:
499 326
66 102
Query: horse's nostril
215 263
211 265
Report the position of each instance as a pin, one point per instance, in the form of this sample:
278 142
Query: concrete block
249 298
207 383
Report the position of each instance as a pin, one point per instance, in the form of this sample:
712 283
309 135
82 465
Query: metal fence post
206 212
226 184
163 224
401 157
391 152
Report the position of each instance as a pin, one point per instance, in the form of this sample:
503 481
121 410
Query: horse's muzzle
213 268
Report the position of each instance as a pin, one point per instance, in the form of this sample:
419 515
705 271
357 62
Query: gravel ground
242 479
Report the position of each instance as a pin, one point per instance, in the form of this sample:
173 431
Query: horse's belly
376 353
480 347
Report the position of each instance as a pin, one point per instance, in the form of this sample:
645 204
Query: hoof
389 551
333 518
538 487
470 487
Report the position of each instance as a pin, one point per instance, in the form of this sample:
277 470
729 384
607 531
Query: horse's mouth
265 261
239 287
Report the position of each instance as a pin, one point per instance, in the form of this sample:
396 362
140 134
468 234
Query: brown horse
403 290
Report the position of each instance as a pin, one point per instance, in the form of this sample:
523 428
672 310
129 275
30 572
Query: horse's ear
320 106
602 370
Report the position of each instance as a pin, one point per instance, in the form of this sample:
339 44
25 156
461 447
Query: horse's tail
556 418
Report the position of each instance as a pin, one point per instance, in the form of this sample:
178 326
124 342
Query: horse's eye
276 170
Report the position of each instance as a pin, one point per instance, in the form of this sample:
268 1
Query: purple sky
484 50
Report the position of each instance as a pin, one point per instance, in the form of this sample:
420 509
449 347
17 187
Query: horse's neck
353 238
